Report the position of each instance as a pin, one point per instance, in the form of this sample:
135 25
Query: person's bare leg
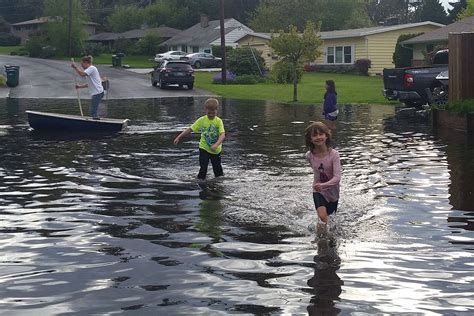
322 227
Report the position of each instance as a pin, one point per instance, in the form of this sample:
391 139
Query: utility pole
223 52
69 31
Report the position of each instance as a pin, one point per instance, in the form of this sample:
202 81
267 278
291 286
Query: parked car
169 72
409 85
198 60
170 55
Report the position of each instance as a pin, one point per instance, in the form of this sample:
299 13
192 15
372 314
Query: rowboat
43 121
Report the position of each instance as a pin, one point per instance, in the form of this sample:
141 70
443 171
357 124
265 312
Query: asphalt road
43 78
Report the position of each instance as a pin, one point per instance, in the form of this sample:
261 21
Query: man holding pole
94 83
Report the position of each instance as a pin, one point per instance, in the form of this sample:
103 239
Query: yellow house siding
381 46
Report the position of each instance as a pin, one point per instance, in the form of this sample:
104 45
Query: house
346 46
439 37
202 36
24 29
109 39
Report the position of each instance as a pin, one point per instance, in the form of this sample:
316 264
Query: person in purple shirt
330 110
326 165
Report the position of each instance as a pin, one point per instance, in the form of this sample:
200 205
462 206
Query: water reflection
103 225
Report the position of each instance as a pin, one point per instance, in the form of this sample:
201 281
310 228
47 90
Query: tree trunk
295 84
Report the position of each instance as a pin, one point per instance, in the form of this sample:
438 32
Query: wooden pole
223 51
461 67
69 29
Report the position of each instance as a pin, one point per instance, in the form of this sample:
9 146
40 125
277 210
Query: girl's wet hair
331 86
313 129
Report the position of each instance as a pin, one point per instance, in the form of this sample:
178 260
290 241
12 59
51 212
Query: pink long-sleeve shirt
330 165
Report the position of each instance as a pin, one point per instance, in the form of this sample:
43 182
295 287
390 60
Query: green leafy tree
126 18
467 11
296 48
20 10
273 15
57 28
149 44
431 10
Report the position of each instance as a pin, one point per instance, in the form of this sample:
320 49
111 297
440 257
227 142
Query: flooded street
105 225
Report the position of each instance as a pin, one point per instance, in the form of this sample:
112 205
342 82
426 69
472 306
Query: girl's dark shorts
319 201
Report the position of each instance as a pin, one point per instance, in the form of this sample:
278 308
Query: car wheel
181 86
219 65
197 64
153 82
190 86
162 84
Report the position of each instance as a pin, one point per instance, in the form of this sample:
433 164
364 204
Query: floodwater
105 225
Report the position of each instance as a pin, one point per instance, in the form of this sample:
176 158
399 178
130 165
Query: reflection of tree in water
210 211
325 284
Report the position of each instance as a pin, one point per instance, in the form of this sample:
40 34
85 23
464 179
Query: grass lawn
132 61
6 50
350 89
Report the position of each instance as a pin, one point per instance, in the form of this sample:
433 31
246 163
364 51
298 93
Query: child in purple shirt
327 172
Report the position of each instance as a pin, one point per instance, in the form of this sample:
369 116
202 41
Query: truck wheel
190 86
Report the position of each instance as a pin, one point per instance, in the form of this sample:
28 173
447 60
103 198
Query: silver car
170 55
203 60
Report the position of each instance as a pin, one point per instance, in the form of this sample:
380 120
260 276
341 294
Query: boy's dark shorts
319 201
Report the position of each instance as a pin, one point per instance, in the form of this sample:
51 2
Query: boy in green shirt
212 136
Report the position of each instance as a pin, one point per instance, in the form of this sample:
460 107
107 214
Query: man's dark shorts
319 201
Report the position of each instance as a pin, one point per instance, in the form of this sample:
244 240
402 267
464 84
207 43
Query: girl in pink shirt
327 172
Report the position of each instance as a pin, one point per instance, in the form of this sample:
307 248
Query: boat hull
42 121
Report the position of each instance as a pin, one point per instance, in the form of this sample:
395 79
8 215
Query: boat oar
77 90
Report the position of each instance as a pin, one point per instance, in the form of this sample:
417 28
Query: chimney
204 21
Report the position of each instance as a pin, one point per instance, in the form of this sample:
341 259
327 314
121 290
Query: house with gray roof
202 36
109 39
439 37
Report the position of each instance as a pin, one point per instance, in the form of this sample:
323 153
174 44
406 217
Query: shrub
48 52
14 53
7 39
402 56
462 106
283 72
123 45
3 81
249 79
34 45
241 61
362 65
309 67
217 51
148 45
93 49
230 77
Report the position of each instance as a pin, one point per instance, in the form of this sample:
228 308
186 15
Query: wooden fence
461 66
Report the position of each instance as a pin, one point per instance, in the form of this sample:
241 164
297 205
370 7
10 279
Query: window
339 55
207 51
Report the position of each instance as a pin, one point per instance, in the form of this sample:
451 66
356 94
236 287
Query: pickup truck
409 85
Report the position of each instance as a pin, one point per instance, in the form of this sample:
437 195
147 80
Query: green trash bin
13 75
117 60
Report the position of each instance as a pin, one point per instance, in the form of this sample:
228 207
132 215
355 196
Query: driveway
43 78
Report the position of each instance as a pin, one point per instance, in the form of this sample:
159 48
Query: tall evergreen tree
457 7
431 10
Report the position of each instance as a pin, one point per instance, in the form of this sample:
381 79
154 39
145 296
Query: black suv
177 72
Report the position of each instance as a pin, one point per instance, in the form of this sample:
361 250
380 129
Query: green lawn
350 89
132 61
6 50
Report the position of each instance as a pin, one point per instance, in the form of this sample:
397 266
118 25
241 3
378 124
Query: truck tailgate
393 78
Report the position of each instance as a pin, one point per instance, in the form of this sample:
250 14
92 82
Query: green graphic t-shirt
210 131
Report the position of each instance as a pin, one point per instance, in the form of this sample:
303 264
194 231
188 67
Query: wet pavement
102 225
43 78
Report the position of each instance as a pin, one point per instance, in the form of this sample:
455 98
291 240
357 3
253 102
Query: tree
467 11
297 48
57 28
20 10
273 15
431 10
457 7
126 18
402 56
